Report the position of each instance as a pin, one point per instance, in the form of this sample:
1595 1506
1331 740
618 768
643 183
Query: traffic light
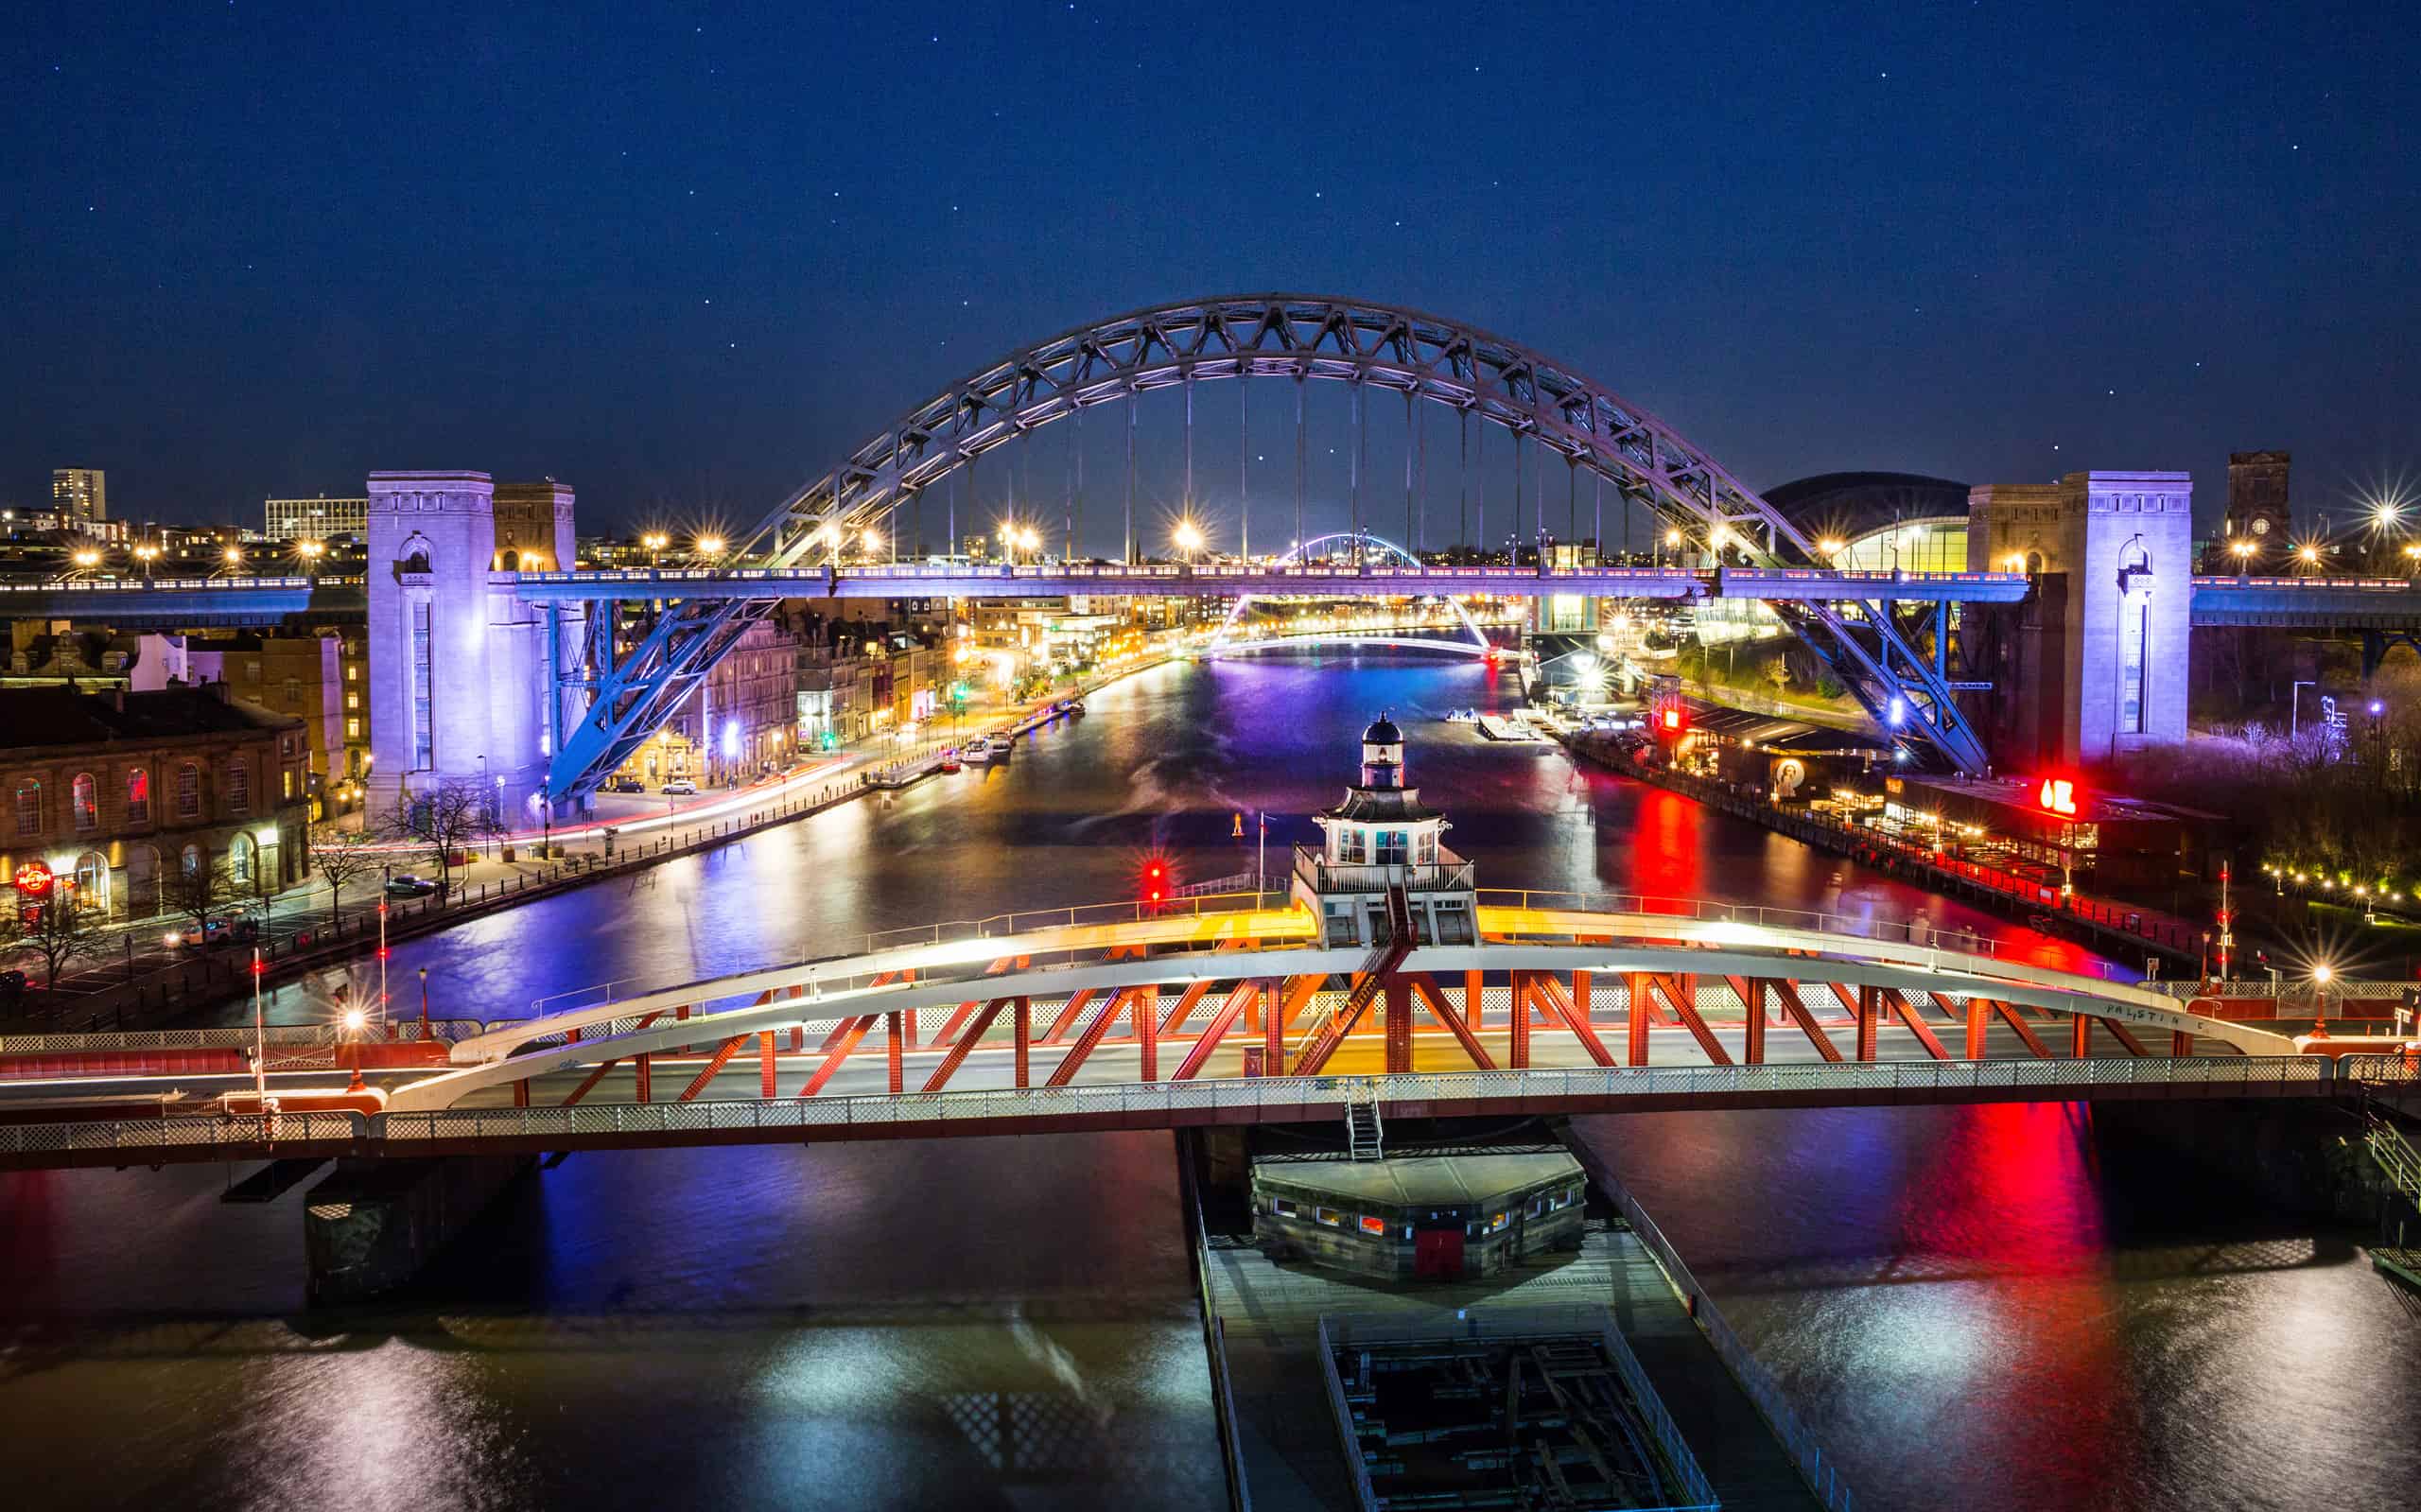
1156 880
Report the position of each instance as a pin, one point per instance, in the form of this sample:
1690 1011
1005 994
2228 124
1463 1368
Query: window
240 786
1497 1225
294 690
1328 1216
1349 846
351 698
83 802
1285 1208
1375 1226
285 782
239 857
423 737
188 791
29 808
191 862
251 671
353 672
138 796
352 729
1395 847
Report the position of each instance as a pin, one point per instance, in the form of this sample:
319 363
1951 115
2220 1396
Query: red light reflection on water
1668 841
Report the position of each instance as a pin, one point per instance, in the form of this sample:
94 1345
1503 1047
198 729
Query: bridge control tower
1383 837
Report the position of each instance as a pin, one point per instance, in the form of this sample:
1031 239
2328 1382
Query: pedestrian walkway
1293 1458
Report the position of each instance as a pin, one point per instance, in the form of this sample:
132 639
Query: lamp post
2294 705
423 1002
147 553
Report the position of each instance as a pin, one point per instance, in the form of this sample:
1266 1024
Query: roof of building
1850 504
34 718
1423 1181
1383 731
1378 806
2092 807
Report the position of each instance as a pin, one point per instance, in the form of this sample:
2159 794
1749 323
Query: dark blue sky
683 256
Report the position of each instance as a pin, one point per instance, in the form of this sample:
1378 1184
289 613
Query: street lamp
146 555
310 551
86 560
872 541
2242 551
709 547
2308 554
1830 546
654 542
1187 538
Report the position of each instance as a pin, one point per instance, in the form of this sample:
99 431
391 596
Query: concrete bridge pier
372 1226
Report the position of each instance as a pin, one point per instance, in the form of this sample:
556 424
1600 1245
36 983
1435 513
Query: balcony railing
1450 873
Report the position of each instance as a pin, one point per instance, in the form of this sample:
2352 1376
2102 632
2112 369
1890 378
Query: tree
445 820
344 857
59 930
201 893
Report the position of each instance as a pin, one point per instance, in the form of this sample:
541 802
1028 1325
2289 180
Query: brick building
112 789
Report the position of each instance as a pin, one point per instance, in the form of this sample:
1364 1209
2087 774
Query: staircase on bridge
1365 1137
2395 1155
1388 954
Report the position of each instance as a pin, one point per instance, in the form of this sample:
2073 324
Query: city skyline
615 258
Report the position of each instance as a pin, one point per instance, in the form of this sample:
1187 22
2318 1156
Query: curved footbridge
1234 1011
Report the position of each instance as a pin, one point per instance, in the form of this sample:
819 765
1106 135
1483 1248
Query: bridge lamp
1187 537
1673 538
2308 555
88 558
147 554
232 555
2322 973
872 541
1831 545
710 545
2243 549
2387 515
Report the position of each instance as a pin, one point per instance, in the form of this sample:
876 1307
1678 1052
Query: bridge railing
1283 1098
1918 932
396 1030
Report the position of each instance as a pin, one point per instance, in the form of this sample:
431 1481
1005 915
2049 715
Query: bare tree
203 892
344 857
445 820
59 930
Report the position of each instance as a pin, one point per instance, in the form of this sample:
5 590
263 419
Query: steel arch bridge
1300 337
1360 546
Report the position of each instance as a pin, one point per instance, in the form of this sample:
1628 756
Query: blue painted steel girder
1796 584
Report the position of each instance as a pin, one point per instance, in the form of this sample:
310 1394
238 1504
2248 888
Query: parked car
679 787
624 785
404 884
230 932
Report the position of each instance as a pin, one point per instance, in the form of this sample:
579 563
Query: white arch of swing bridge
1360 545
1192 952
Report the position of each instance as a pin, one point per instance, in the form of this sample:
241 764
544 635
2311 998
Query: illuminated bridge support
464 688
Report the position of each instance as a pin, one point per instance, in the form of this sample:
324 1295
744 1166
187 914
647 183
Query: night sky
686 256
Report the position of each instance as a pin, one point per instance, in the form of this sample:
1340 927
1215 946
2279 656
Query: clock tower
2254 534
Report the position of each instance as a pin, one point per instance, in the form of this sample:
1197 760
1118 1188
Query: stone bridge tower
461 671
2093 664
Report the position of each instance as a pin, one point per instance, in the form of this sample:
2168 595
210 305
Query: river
1010 1322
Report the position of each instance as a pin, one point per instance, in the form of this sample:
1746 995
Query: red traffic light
1156 880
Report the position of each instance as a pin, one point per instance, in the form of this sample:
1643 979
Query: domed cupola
1383 754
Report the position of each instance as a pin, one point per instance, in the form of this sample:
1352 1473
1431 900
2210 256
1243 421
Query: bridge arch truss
1300 337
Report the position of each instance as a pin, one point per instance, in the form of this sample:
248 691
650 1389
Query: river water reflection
1002 1322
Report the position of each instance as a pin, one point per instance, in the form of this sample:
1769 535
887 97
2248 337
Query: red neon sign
2058 797
34 879
1672 719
